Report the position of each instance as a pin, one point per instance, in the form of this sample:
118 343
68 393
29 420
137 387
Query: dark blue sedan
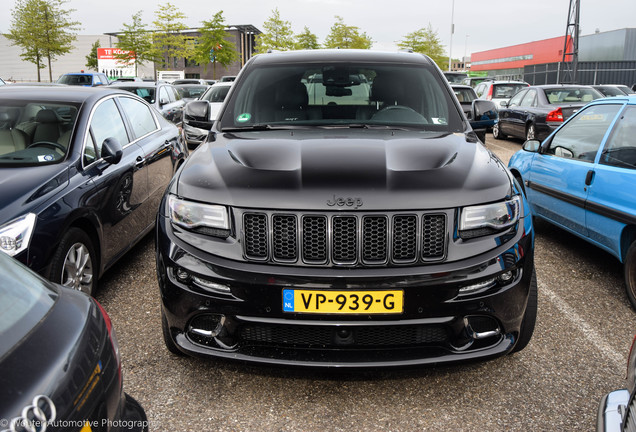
82 171
582 178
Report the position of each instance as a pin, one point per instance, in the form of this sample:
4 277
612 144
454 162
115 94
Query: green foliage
278 35
136 43
43 29
91 58
347 37
212 45
425 41
307 40
168 40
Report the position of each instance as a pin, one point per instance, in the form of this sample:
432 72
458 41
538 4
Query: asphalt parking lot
578 353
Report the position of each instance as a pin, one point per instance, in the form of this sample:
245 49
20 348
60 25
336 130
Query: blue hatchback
582 178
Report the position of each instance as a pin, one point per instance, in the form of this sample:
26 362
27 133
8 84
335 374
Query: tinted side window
620 149
139 115
581 137
107 123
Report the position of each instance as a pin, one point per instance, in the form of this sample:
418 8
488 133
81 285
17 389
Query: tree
307 40
43 30
425 41
168 39
213 45
135 42
344 36
278 35
91 58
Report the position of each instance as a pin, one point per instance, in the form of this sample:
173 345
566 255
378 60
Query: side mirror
111 151
484 110
197 114
162 101
504 104
531 146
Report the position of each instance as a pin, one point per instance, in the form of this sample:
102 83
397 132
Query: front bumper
439 323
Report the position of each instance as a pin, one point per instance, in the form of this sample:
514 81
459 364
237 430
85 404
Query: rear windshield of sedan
146 93
35 132
506 91
561 95
341 94
25 299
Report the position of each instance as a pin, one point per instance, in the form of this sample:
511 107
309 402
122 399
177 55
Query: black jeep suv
342 213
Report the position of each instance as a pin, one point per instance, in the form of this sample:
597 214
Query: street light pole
465 50
450 46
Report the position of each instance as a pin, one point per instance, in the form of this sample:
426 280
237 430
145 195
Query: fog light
505 277
182 275
477 286
211 286
207 325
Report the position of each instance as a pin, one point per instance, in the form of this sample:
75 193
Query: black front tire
530 316
74 263
630 274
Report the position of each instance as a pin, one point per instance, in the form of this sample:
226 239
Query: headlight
486 219
196 216
16 235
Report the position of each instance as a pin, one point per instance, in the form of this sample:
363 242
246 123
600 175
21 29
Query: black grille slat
326 337
351 239
404 238
433 234
315 239
284 234
374 239
345 239
255 226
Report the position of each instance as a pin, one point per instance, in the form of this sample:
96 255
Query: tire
530 316
630 274
496 133
167 337
76 246
531 132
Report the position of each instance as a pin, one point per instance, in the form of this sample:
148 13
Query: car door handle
139 163
589 177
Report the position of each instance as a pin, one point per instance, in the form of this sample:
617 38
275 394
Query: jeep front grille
343 239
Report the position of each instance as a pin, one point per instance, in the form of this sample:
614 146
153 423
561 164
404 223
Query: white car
499 91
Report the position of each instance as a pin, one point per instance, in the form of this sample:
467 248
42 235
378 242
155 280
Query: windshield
35 132
573 94
188 91
506 91
80 80
216 93
342 94
146 93
464 94
24 300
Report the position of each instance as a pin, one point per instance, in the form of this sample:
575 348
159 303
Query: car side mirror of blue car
532 146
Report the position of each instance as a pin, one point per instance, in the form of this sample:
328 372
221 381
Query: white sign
113 67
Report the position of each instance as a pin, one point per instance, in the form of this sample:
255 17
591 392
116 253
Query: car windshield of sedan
342 95
216 93
35 132
565 95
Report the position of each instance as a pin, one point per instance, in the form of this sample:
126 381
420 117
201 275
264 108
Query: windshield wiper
264 126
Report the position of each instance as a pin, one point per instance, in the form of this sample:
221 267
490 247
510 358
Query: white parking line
588 332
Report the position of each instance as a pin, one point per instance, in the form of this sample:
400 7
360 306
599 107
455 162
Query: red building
518 56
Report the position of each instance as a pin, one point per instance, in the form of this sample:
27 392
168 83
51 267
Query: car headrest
46 116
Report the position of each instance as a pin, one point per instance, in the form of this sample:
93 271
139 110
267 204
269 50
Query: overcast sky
479 25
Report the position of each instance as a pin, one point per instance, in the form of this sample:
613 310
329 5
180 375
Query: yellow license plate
343 302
